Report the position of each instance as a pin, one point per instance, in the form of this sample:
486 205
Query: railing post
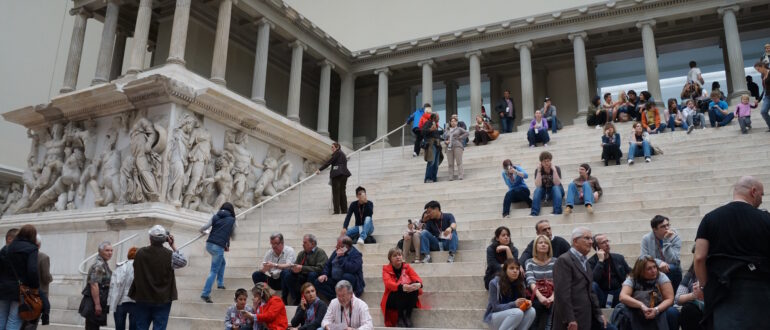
403 133
299 204
259 230
358 173
382 154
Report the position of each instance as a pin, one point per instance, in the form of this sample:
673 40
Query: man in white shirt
347 311
276 266
695 75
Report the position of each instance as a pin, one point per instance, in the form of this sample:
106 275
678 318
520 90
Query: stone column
451 98
295 80
260 61
179 32
323 97
117 55
76 50
382 101
141 31
728 73
107 46
219 61
347 103
527 93
427 81
650 59
474 58
734 53
581 75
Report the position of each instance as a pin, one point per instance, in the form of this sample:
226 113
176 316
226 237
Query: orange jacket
654 112
273 314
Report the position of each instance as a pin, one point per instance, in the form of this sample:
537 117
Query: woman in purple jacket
538 130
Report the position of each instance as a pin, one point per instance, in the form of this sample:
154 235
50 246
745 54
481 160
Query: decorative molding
733 8
386 71
650 22
476 53
582 35
428 62
526 44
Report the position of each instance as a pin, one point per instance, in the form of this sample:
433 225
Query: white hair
579 231
38 240
103 245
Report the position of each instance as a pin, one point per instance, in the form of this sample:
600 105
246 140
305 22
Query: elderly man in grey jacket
664 244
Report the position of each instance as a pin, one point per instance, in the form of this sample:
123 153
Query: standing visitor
98 288
743 113
16 259
694 75
339 177
222 226
118 299
432 132
44 270
455 138
507 112
764 70
414 118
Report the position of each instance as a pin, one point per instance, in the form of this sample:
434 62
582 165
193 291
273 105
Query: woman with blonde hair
269 309
539 276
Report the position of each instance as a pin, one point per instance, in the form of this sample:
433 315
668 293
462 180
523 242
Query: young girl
674 116
743 113
507 308
689 113
234 318
611 145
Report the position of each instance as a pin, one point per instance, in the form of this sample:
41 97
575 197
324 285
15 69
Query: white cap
158 231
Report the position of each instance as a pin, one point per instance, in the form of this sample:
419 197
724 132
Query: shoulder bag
30 304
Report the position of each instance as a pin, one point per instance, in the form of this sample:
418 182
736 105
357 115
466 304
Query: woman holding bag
402 289
540 280
19 264
647 297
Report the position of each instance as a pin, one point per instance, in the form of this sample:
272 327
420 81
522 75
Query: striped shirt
537 272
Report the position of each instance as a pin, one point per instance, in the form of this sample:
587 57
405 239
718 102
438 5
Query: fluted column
323 97
260 61
295 80
219 61
527 91
474 59
650 59
107 46
179 32
427 81
581 75
76 50
734 53
382 101
347 103
141 32
118 54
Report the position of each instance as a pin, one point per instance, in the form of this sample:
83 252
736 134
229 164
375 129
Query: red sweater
425 117
273 314
391 285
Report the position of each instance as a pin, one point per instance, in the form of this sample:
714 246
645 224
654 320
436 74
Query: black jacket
300 317
222 226
502 104
353 210
493 261
22 256
339 164
619 271
559 245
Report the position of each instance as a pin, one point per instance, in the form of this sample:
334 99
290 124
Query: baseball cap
158 231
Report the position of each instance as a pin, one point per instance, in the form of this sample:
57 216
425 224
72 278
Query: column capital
575 35
524 44
264 21
648 22
428 62
476 53
326 63
384 70
297 43
722 10
82 11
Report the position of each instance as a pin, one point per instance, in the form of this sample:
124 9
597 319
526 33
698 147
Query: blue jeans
555 193
428 243
552 122
9 315
602 295
765 109
717 118
217 268
635 149
368 229
431 168
326 288
513 196
506 124
656 130
573 195
541 136
157 314
120 316
674 274
672 123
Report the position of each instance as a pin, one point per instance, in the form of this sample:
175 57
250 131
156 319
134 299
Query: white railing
83 263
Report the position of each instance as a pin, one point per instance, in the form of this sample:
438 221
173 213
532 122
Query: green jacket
314 263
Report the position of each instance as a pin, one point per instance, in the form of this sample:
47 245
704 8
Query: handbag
544 286
649 298
30 304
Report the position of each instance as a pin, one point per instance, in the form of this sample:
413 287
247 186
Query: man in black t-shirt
548 185
736 230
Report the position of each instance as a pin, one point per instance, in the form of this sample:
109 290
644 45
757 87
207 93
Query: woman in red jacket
402 288
269 308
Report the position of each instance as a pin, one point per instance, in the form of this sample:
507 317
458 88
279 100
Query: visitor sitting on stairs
269 310
308 265
499 250
646 299
665 245
276 265
508 308
539 275
402 290
345 263
538 130
310 312
234 318
514 176
596 114
639 142
363 210
611 145
584 188
439 232
548 184
608 270
347 311
543 227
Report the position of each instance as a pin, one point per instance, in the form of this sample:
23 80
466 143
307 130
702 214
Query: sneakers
630 162
598 126
589 209
568 210
360 241
207 299
222 287
531 146
451 258
507 216
414 154
689 129
647 160
426 260
545 145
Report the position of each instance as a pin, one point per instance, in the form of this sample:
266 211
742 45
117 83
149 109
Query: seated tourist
508 308
633 106
549 113
513 176
346 311
269 310
718 114
402 289
611 145
276 264
234 319
646 298
411 243
585 188
692 117
538 130
308 265
310 312
674 116
559 245
624 108
664 244
483 132
363 210
608 105
715 87
639 143
547 185
499 250
539 274
609 271
345 264
690 297
596 115
651 121
439 232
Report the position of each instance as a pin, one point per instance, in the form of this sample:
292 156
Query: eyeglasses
588 238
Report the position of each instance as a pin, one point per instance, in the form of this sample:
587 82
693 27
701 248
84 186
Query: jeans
326 288
506 124
217 268
555 193
157 314
690 316
656 129
540 136
635 149
573 195
603 295
513 196
431 168
674 274
717 118
765 109
417 140
672 123
511 319
552 122
9 315
120 316
745 123
293 281
428 243
543 315
368 229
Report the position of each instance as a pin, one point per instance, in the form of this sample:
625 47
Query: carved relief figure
63 189
199 157
146 143
235 143
178 170
283 176
32 156
308 168
54 158
223 179
109 178
14 195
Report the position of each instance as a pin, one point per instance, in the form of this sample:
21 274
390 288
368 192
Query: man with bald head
732 260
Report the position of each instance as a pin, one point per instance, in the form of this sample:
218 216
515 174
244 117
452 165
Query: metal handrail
82 263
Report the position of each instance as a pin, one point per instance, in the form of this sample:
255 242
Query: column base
324 133
735 97
65 90
97 81
293 118
219 81
580 118
175 60
258 100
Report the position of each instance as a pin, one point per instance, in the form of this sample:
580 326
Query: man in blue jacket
414 118
345 264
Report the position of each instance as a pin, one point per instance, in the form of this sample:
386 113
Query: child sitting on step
743 113
235 318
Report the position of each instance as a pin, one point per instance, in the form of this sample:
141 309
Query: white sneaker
360 241
531 147
545 144
414 154
647 160
598 126
630 162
